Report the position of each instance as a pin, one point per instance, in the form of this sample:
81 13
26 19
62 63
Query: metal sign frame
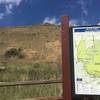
72 58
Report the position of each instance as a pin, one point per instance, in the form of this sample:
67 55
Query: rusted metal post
66 58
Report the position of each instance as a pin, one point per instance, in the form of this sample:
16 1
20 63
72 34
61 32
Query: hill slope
30 53
39 42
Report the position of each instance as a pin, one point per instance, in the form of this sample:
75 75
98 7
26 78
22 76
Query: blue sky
30 12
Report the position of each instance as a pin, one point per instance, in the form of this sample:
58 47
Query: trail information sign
86 49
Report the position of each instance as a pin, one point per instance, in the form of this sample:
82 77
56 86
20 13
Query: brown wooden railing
39 82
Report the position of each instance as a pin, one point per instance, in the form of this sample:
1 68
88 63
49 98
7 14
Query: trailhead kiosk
80 60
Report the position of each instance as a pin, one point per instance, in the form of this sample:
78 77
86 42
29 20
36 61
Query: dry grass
46 98
41 50
40 42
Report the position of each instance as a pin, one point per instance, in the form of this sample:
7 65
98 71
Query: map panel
86 48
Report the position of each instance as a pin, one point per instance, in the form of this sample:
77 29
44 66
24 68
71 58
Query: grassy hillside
40 42
29 53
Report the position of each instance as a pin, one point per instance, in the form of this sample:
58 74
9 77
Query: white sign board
86 49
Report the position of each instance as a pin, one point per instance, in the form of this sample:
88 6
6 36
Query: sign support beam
66 58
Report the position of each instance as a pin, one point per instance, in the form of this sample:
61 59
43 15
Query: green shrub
14 53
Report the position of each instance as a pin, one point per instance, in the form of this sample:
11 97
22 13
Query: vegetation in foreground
29 53
36 71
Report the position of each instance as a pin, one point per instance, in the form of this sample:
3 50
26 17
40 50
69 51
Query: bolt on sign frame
68 61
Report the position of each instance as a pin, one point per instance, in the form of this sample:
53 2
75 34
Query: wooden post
66 58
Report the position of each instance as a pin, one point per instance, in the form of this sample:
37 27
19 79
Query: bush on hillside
14 53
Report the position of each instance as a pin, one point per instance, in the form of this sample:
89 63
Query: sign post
66 58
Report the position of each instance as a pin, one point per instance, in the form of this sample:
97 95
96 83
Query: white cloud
9 5
1 15
98 23
9 9
83 5
73 22
76 22
52 20
84 22
15 2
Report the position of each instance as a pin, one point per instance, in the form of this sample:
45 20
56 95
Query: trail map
86 47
